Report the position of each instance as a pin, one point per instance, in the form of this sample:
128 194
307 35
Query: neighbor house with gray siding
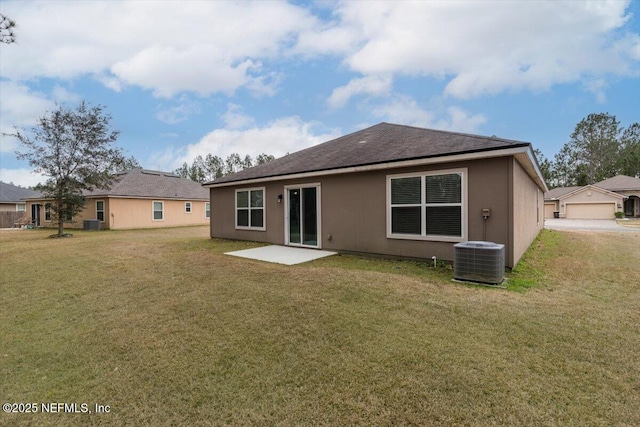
389 190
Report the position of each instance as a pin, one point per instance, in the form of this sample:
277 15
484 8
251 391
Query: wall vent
481 262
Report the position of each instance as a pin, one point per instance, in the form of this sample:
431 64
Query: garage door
591 210
548 210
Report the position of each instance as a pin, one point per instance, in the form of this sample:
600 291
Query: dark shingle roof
381 143
617 183
620 183
12 194
153 184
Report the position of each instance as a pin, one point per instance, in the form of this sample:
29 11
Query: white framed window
100 210
47 212
21 207
250 209
207 210
187 207
158 211
428 205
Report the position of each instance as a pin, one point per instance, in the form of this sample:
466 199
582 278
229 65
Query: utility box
481 262
91 224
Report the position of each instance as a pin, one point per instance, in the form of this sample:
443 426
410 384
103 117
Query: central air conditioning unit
91 224
481 262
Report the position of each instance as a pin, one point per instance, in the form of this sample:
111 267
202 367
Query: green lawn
166 330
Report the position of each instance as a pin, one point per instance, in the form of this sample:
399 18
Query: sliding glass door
303 219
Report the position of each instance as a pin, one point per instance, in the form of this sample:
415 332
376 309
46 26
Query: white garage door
591 210
548 210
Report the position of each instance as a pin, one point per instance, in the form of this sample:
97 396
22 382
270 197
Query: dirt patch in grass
166 330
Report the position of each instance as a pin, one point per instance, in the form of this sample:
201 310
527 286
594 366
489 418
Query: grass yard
629 222
166 330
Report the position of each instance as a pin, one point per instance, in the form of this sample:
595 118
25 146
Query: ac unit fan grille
479 262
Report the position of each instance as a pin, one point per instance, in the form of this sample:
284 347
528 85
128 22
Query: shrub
619 214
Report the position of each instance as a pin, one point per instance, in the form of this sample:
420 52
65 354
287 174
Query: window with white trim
187 207
250 211
158 211
100 210
427 206
207 210
47 212
21 207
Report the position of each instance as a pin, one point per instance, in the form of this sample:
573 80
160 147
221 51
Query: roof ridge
386 143
471 135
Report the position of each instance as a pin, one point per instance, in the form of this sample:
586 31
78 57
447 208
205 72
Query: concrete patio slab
282 254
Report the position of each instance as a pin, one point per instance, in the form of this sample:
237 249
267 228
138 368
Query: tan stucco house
626 186
598 201
138 198
391 190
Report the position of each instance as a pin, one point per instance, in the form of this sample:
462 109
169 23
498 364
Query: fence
8 219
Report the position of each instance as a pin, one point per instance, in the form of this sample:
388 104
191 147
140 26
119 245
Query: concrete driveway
587 225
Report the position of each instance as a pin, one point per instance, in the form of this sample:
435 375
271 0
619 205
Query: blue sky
197 77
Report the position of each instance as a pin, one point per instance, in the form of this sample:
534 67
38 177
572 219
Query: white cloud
170 47
62 95
405 110
264 85
167 47
460 120
112 83
20 107
370 85
234 118
482 47
180 112
281 136
167 160
21 177
196 69
597 87
8 144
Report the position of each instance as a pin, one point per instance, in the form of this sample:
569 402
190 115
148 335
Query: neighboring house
588 202
388 189
598 201
627 186
138 198
12 197
551 201
12 203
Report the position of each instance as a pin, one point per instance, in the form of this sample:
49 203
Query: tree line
212 167
599 148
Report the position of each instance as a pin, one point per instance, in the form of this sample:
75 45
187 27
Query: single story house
389 189
598 201
13 206
12 197
138 198
626 186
